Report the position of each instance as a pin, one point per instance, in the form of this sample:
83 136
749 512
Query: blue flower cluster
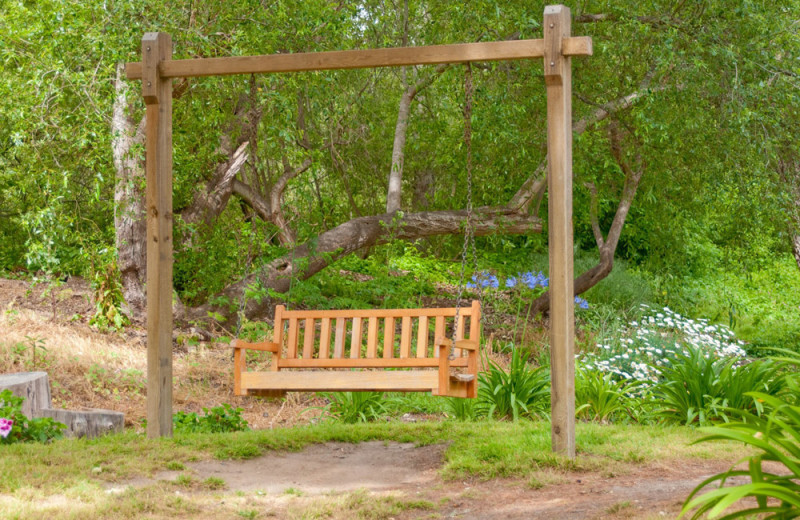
531 280
485 280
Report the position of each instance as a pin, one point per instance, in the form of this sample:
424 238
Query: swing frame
156 71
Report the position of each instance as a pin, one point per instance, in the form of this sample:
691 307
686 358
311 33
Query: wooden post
157 91
558 78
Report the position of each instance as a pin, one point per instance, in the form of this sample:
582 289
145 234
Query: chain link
469 231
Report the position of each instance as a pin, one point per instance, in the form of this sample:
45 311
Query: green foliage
219 419
698 389
600 397
461 409
759 304
775 438
355 407
22 429
107 297
521 391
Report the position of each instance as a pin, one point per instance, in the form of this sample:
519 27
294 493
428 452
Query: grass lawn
71 478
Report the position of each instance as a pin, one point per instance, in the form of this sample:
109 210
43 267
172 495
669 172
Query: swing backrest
379 338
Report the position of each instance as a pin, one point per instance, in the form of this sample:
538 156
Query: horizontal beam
361 59
405 381
367 363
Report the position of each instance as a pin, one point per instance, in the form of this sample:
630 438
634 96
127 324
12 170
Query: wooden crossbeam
362 59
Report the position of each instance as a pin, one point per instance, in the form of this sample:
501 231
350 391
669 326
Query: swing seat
406 350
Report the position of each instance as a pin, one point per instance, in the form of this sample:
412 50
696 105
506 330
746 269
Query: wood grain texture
157 93
308 338
359 59
338 344
388 338
325 339
298 381
267 346
356 338
278 336
291 347
372 337
405 337
367 363
558 79
422 337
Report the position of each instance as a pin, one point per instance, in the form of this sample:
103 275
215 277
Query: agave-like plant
355 407
700 389
775 435
519 392
599 397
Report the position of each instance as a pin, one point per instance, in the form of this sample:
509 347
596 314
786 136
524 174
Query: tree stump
86 422
33 386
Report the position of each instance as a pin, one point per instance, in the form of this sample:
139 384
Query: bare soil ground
107 370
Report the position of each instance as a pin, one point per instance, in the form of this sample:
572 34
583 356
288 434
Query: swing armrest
239 358
267 346
464 344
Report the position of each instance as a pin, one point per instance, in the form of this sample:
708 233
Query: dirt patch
323 472
322 468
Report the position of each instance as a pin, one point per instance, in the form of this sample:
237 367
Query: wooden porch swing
319 351
156 71
385 365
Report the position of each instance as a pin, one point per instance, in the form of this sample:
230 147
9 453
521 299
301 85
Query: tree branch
311 257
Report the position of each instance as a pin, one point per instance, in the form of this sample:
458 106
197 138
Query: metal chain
243 299
469 235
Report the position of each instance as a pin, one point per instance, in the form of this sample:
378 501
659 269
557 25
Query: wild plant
599 397
775 436
219 419
16 427
355 407
521 391
697 388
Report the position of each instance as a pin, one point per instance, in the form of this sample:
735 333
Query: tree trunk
129 215
796 248
393 195
86 422
607 246
31 386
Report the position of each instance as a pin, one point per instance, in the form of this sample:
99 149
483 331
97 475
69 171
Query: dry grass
88 368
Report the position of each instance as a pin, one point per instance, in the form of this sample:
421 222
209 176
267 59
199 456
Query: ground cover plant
16 427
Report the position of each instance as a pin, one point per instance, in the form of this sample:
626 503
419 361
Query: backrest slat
405 337
356 337
325 338
308 340
388 338
415 327
422 337
438 332
292 346
338 346
372 337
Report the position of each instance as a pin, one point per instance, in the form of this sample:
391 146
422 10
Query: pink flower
5 427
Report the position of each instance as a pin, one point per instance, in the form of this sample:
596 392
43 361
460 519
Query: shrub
15 427
522 391
599 397
220 419
697 388
775 435
642 349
